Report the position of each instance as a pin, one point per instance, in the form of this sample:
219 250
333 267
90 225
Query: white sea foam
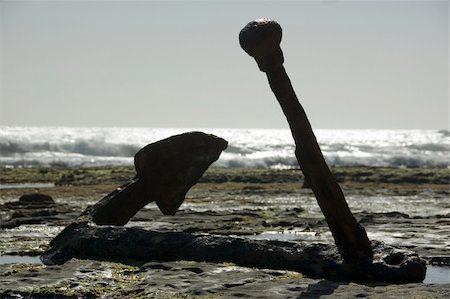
49 146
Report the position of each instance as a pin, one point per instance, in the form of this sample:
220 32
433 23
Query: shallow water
286 235
26 185
19 259
412 205
437 275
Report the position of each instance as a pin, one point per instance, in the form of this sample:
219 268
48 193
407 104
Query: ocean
263 148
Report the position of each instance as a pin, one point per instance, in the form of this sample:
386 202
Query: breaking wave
61 146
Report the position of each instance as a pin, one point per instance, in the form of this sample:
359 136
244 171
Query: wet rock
366 217
153 265
95 175
439 260
253 176
33 208
114 280
39 198
66 179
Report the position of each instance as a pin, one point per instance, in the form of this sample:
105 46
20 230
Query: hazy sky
353 64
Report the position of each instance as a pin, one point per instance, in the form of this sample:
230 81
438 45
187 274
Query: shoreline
407 207
99 181
344 174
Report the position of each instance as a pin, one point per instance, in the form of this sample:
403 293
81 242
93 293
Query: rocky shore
405 207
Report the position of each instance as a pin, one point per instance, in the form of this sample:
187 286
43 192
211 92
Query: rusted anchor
261 40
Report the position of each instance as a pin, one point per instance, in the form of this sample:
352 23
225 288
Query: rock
33 208
33 198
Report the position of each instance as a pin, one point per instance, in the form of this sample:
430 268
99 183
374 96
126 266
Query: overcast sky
353 64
